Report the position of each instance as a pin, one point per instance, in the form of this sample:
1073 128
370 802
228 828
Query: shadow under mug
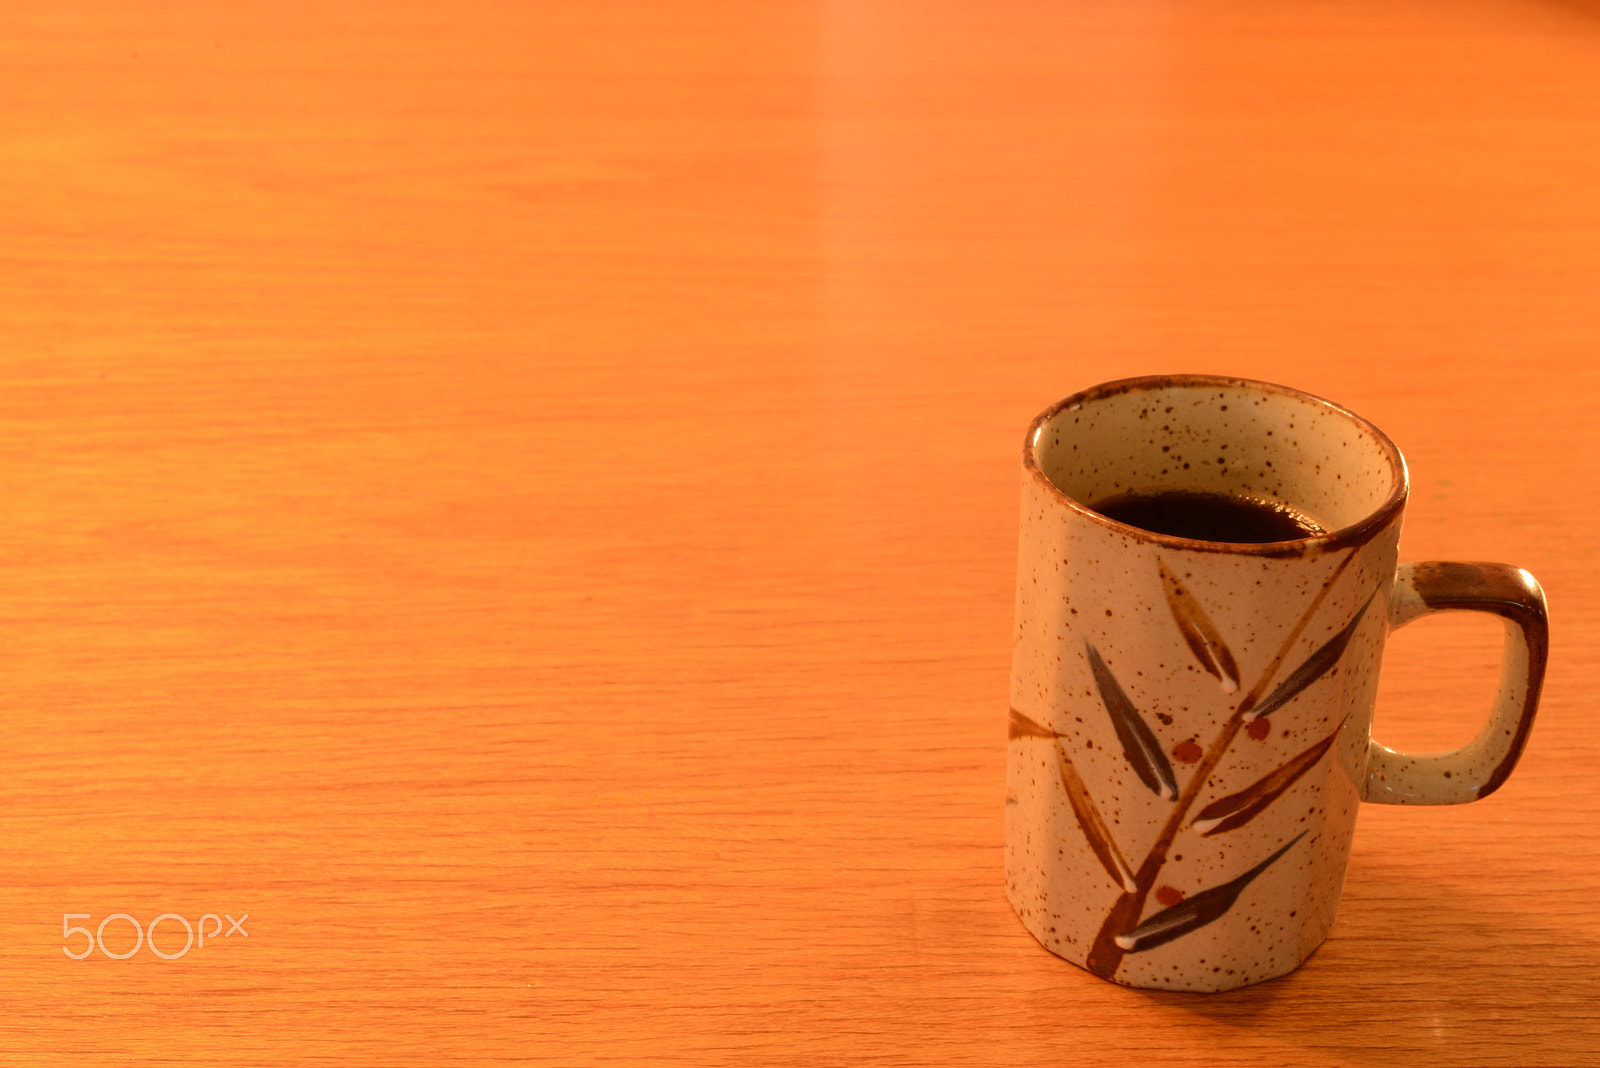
1190 729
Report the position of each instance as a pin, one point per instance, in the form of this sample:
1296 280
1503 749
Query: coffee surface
1209 516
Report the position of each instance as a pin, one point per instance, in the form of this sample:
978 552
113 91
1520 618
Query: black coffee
1209 516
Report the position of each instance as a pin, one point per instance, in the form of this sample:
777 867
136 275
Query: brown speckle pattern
1254 618
1191 720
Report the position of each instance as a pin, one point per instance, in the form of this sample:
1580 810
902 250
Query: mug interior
1228 436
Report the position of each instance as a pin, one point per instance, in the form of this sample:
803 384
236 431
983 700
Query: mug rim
1351 534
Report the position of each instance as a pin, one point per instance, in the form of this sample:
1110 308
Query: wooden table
519 500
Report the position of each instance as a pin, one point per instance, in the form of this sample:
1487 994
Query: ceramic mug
1190 731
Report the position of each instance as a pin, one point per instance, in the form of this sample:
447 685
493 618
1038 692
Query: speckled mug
1190 732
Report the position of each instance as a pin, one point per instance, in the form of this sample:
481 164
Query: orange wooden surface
520 499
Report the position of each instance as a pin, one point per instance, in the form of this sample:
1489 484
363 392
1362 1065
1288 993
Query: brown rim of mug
1356 533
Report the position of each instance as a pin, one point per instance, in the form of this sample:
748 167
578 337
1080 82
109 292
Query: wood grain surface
521 501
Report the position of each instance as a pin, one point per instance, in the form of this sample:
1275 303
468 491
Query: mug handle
1478 768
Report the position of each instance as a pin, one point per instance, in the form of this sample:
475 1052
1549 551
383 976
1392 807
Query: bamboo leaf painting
1195 912
1201 635
1023 727
1139 744
1094 826
1121 932
1237 809
1317 665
